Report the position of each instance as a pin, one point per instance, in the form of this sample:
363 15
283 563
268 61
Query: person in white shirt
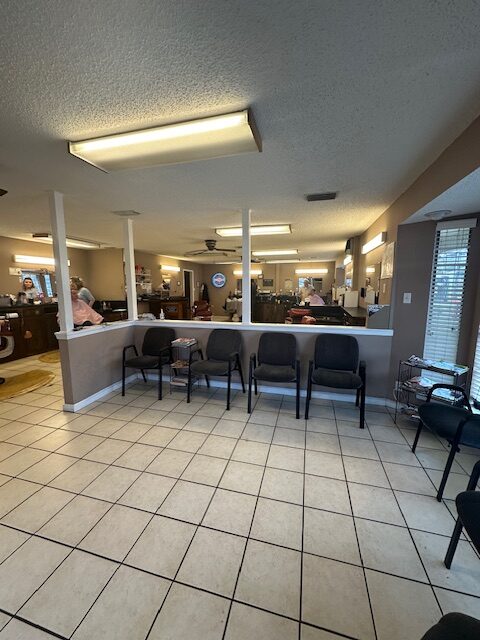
30 290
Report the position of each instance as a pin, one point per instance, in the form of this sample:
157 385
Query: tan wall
457 161
101 352
154 262
106 280
10 246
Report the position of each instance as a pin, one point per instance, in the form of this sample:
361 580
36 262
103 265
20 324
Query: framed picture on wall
387 261
268 282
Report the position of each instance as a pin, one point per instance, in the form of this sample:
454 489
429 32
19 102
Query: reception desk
33 331
175 308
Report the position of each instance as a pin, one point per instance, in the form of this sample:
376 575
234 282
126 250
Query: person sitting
83 293
83 315
313 299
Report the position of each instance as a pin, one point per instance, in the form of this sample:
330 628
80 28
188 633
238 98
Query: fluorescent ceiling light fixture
347 260
40 260
370 269
74 243
259 230
283 261
375 242
166 267
253 272
213 137
276 252
311 271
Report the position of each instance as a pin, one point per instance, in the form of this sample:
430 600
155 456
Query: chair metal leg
255 386
362 407
357 399
448 466
453 543
229 382
298 400
249 403
309 395
160 376
240 372
189 383
143 375
123 379
417 435
207 381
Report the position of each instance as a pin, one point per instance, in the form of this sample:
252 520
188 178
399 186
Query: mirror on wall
372 283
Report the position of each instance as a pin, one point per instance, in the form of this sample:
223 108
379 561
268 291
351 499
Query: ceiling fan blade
199 252
229 250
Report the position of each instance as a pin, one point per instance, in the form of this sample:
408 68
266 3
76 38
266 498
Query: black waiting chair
468 509
223 358
156 352
336 365
277 362
454 626
457 424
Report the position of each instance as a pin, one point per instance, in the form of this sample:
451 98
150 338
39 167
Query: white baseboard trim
222 384
99 395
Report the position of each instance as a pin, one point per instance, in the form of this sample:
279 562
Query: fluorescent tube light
276 252
253 272
293 261
73 243
311 271
375 242
347 260
35 260
259 230
213 137
166 267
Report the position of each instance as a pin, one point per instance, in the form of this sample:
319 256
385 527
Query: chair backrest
277 349
222 342
334 351
156 339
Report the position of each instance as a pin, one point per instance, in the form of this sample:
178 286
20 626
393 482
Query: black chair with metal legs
454 626
458 425
468 509
156 352
336 365
277 362
223 358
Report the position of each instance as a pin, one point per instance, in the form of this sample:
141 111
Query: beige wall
106 280
154 262
102 353
10 246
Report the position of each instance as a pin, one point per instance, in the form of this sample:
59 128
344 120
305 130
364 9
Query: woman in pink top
83 315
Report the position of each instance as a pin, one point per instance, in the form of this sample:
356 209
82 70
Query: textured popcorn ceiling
356 97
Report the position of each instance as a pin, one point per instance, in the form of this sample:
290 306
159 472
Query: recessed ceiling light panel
213 137
276 252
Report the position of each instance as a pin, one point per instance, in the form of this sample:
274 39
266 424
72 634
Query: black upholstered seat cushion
336 379
468 507
454 626
210 367
146 362
274 373
444 420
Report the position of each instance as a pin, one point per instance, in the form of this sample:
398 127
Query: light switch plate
407 298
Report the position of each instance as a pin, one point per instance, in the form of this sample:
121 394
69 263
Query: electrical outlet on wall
407 298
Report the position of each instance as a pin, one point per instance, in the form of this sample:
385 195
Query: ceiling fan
211 250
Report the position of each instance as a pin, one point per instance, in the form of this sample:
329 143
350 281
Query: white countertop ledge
199 324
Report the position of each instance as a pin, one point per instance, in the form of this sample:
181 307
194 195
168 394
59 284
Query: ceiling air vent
316 197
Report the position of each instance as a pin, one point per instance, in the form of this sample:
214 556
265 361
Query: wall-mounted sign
219 280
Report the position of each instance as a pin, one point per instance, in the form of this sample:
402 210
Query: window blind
446 293
475 385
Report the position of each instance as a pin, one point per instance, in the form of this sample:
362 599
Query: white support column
246 250
129 256
62 275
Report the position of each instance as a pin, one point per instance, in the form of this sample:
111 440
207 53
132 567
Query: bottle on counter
162 315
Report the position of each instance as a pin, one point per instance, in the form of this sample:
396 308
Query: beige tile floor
138 519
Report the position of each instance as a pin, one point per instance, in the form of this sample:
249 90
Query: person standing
83 293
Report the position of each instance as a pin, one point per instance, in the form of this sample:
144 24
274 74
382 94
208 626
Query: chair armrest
125 349
475 477
452 387
233 355
310 368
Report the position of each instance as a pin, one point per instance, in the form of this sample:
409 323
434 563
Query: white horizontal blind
475 385
446 294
